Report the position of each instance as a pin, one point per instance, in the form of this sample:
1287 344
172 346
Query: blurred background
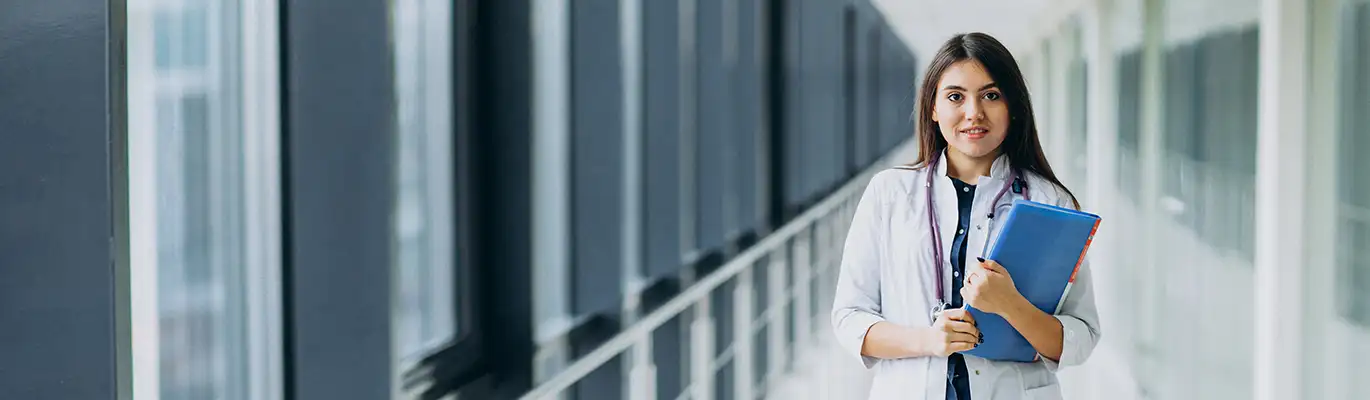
645 199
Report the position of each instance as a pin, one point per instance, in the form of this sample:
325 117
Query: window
204 199
1354 196
424 297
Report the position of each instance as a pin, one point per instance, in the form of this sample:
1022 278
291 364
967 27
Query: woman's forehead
968 74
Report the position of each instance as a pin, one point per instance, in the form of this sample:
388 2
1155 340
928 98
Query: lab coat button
977 372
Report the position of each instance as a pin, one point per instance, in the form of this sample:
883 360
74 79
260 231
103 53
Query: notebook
1042 247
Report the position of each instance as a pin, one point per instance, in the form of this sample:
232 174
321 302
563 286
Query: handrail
698 291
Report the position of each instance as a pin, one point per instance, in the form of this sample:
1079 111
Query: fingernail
982 259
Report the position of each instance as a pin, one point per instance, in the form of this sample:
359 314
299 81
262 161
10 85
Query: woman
977 135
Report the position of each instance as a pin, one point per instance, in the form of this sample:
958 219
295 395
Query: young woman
978 152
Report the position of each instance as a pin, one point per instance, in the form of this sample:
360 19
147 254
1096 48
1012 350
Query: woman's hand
953 331
990 289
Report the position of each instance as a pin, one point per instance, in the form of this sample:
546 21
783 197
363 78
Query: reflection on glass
424 295
184 116
1351 333
1207 199
1354 274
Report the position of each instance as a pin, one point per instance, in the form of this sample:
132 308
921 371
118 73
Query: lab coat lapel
947 211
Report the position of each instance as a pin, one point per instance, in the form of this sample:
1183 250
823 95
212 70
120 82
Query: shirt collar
999 170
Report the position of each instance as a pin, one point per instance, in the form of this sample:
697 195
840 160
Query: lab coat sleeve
1079 322
856 304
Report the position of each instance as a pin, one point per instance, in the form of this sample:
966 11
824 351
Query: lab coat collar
998 171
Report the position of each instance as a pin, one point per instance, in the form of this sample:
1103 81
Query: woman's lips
975 133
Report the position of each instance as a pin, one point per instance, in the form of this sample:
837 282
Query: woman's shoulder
1046 191
899 179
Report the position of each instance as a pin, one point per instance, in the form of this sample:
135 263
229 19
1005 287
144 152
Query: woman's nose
973 110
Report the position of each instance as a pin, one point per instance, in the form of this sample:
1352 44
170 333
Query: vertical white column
803 274
702 351
776 301
551 184
1101 171
743 352
1323 342
1281 196
1059 106
1102 153
640 380
1150 294
142 191
262 148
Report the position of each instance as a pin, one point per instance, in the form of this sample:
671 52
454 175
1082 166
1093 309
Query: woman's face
970 110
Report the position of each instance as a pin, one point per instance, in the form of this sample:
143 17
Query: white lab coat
886 275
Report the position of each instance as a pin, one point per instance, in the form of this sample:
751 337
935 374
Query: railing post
777 349
642 375
803 273
743 354
702 351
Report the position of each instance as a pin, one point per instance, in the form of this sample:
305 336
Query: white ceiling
925 24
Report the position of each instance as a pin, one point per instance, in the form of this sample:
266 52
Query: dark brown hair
1021 144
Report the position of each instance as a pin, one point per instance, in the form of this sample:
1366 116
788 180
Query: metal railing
808 248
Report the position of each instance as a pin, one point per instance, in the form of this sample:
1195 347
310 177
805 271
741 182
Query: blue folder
1042 247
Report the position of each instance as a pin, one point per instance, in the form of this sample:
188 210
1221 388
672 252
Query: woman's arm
953 331
1040 329
856 303
1067 338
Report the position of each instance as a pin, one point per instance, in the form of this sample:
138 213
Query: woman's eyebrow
983 88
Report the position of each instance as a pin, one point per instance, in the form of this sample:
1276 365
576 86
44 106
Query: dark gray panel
797 168
661 124
504 202
713 169
815 117
669 357
597 156
339 168
1181 114
1353 273
853 89
748 81
721 309
1129 119
871 109
61 109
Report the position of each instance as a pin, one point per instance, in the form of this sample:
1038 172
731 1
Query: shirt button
956 274
966 189
960 231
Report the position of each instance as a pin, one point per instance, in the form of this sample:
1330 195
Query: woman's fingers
959 314
960 346
954 337
962 327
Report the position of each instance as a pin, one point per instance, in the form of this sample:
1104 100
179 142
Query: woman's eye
992 96
954 97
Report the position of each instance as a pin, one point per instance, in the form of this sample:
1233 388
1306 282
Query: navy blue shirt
958 380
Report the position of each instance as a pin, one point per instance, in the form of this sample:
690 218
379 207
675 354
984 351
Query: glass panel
189 204
1351 332
424 304
1207 183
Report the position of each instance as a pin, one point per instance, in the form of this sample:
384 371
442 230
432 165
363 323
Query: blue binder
1042 247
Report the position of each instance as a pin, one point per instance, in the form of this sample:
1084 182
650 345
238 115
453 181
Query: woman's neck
969 169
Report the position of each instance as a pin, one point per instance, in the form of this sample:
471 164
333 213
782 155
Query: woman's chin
976 150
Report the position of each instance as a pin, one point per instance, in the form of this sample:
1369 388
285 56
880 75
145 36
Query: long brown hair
1022 146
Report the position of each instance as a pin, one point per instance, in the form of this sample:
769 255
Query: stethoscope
1015 183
